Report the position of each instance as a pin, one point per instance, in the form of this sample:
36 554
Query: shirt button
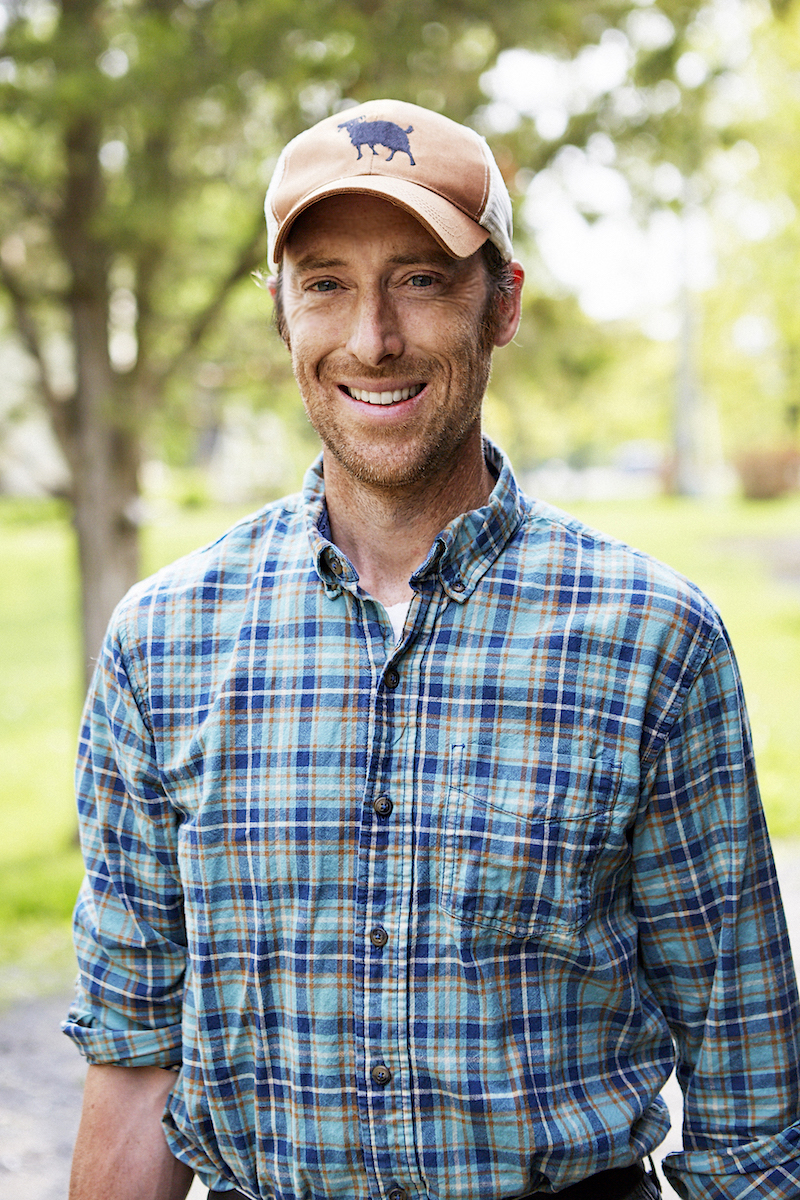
383 806
391 678
381 1075
398 1194
378 936
335 564
459 585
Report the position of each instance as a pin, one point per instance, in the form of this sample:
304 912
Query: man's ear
272 285
510 308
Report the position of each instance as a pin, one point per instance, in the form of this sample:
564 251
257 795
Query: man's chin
384 470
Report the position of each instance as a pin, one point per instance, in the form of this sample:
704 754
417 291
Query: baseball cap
441 172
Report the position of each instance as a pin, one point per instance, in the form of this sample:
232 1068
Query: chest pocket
518 861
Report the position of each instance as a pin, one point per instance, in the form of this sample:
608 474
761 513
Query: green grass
729 549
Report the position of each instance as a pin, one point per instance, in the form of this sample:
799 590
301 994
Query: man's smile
388 397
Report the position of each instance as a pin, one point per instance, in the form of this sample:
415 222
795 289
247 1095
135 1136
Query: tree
137 138
754 326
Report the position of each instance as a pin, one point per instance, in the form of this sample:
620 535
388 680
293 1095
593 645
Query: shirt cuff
103 1043
765 1169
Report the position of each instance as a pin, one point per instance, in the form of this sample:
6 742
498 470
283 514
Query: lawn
732 550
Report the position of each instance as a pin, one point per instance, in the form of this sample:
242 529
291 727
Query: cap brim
455 232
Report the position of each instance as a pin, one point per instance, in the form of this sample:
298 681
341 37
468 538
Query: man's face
389 345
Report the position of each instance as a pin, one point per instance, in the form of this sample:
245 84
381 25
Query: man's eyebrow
439 258
315 262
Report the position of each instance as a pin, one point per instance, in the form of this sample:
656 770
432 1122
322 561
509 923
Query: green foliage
569 388
185 106
755 379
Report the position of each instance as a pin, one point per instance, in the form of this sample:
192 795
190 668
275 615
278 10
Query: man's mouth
394 397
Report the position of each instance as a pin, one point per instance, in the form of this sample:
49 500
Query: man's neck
387 533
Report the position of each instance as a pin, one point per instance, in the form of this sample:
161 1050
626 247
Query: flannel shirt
438 916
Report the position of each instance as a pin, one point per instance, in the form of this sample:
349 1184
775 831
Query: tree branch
59 408
27 329
246 263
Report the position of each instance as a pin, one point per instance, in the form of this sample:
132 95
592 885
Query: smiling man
391 342
420 821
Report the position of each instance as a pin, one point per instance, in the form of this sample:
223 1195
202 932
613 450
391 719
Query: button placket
387 1105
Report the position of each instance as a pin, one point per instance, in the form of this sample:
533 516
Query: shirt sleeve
128 925
715 950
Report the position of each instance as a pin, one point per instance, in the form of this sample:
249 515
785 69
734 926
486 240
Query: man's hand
121 1152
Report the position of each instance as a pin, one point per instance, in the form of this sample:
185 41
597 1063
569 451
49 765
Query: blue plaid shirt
439 916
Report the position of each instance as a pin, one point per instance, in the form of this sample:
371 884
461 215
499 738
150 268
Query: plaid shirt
438 916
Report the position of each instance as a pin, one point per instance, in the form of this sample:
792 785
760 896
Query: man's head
391 233
443 173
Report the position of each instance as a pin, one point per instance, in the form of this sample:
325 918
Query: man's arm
121 1150
715 951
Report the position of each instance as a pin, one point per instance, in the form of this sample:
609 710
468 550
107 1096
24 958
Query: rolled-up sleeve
715 949
129 922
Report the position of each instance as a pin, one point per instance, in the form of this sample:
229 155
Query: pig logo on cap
379 133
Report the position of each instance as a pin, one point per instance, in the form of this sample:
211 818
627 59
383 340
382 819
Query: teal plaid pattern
439 916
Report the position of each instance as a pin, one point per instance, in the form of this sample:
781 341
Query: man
420 823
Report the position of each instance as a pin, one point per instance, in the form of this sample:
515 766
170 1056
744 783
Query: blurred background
651 149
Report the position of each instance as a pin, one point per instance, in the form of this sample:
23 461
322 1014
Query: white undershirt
397 614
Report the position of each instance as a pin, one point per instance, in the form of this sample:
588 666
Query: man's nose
375 329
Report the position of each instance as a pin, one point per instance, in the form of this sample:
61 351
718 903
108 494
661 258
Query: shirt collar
461 553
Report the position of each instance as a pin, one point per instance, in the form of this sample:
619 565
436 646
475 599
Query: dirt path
41 1078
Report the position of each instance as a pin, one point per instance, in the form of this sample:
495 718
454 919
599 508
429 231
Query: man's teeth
385 397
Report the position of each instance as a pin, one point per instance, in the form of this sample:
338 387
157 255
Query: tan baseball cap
443 173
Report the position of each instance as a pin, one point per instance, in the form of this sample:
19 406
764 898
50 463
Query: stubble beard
406 455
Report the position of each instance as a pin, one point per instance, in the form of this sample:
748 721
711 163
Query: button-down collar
460 554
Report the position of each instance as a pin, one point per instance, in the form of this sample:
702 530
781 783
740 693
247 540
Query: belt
615 1184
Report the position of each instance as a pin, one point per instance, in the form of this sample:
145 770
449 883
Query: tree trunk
105 463
101 441
688 473
101 435
108 541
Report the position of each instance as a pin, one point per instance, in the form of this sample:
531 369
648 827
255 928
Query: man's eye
421 281
324 285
